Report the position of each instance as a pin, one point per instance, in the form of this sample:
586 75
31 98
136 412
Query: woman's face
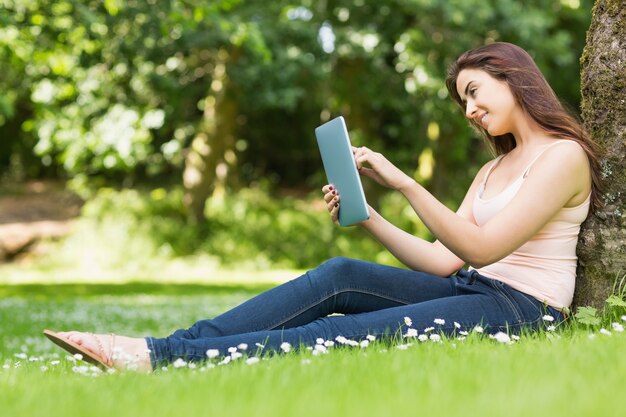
488 101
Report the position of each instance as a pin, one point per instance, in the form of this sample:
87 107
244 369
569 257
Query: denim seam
517 313
324 298
532 300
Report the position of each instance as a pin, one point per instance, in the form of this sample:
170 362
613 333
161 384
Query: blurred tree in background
218 96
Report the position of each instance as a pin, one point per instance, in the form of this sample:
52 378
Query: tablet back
341 171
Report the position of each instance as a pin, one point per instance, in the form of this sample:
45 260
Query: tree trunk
602 243
211 157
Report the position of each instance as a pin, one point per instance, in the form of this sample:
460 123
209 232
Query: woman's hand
331 197
381 170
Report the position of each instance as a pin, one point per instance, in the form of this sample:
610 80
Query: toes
75 337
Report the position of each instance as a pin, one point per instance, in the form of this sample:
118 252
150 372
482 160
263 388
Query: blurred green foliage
117 89
113 93
248 230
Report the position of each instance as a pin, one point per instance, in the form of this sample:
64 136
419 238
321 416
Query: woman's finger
360 160
368 172
330 195
334 214
334 202
358 156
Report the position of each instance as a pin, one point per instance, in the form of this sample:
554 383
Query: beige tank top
545 266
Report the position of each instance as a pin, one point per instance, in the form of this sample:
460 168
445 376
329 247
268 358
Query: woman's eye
473 91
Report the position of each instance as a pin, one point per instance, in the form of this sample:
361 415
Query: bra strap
493 165
481 188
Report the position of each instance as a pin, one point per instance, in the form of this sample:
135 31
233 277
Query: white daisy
548 317
502 337
617 327
341 339
408 321
422 338
286 347
457 325
411 333
179 363
478 329
252 360
321 348
440 322
212 353
605 332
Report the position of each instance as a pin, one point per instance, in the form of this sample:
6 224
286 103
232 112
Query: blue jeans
374 300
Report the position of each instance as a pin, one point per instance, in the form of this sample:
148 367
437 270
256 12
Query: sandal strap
111 347
107 359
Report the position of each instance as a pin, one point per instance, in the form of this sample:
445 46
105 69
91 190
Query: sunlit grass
181 271
576 370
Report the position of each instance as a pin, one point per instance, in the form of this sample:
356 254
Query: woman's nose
470 109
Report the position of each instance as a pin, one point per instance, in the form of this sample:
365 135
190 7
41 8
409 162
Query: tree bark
602 242
211 157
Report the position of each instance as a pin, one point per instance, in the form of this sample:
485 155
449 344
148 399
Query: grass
562 373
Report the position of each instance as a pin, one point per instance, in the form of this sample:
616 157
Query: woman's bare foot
123 353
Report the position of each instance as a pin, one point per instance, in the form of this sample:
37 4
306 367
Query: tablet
341 171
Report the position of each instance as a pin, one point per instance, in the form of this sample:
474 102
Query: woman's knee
340 269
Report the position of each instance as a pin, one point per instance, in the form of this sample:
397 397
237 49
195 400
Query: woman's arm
556 177
417 253
414 252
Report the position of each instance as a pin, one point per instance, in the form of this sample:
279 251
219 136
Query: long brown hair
510 63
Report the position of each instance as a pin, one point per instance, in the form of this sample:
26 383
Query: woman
517 227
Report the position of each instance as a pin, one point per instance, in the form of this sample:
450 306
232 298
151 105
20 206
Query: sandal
103 361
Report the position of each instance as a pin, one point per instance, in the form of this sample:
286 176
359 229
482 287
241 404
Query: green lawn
567 373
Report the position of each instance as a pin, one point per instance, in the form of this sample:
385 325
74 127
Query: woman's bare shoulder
569 152
569 164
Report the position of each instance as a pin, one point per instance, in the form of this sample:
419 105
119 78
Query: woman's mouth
483 119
